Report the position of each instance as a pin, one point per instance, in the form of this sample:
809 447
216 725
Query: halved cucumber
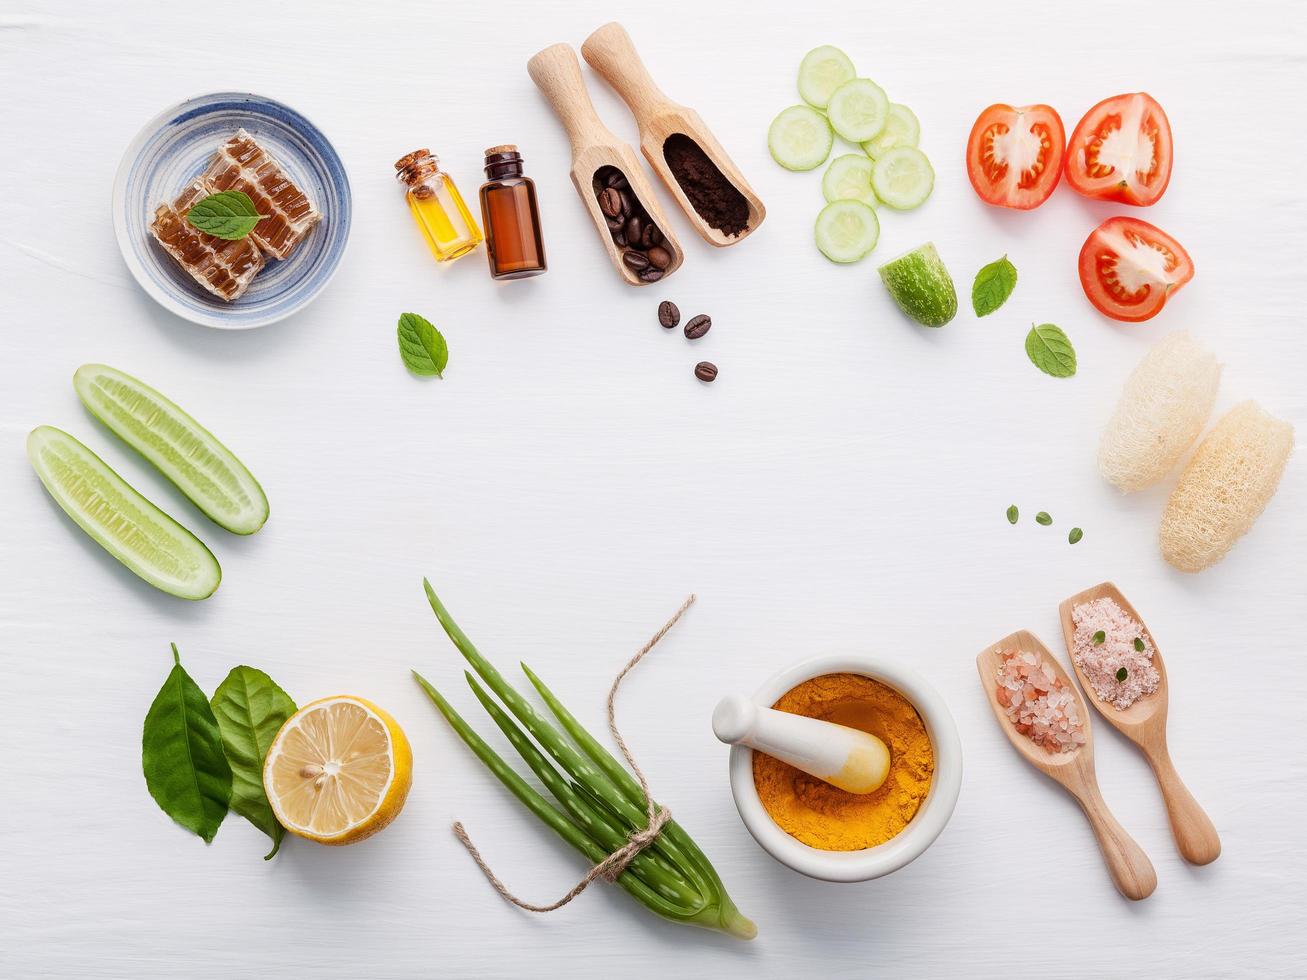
921 286
901 129
846 231
800 138
182 449
821 72
858 110
119 519
903 178
848 178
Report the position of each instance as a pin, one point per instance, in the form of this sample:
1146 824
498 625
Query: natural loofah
1162 410
1227 484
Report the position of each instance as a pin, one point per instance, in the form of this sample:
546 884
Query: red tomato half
1130 268
1121 151
1014 155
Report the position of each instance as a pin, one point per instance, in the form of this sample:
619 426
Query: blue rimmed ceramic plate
173 149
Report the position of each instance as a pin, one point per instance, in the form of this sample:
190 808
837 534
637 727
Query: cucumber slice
182 449
901 129
821 72
846 231
121 521
800 138
921 286
848 178
903 178
858 110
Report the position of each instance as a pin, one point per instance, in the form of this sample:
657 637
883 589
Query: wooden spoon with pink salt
1051 731
1143 692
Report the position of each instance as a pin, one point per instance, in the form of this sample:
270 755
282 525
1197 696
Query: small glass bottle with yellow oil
437 206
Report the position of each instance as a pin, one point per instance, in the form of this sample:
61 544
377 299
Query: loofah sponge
1162 410
1227 484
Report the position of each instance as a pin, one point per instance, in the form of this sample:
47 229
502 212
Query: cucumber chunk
821 72
921 286
182 449
901 129
119 519
903 178
800 138
858 110
848 178
846 231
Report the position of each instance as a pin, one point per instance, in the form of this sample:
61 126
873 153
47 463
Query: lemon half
338 771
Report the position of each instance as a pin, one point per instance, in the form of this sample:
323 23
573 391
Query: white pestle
847 758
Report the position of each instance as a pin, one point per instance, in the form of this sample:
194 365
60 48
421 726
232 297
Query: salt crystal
1101 662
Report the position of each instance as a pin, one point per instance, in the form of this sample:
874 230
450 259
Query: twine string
611 867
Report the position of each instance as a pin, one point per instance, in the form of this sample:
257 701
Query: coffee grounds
714 197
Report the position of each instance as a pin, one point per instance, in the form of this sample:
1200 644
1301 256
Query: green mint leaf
1075 535
1050 350
1099 637
181 754
1043 518
229 215
994 284
1013 514
1139 643
251 709
423 348
1122 674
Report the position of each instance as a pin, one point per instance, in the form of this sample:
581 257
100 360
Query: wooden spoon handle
1131 871
557 73
611 53
1193 830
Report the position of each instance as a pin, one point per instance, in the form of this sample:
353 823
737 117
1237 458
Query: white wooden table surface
841 486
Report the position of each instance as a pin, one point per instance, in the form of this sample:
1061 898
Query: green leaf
1139 643
1050 350
420 344
1075 535
1043 518
1122 673
251 709
1099 638
1013 514
994 284
229 215
181 753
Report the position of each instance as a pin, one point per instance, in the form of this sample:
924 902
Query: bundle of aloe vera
599 802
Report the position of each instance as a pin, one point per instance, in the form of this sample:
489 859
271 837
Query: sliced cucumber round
119 519
800 138
821 72
901 129
858 110
182 449
848 178
903 178
846 231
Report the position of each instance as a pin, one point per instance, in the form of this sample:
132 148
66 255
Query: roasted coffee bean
616 179
669 314
651 274
610 202
659 257
705 371
615 223
650 237
635 260
634 226
619 239
698 326
628 201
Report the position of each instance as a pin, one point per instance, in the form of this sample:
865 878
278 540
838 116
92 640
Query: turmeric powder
825 817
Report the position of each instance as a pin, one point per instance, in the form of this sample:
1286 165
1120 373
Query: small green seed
1099 638
1122 674
1139 643
1043 518
1013 514
1075 535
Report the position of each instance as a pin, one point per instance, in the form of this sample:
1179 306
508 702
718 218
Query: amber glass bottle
508 210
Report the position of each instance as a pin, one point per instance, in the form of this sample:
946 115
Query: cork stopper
412 167
506 148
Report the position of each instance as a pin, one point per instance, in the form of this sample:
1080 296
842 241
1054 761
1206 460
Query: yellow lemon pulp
338 771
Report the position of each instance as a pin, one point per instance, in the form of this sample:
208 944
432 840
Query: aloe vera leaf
659 875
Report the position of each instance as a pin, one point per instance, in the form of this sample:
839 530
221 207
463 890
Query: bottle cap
506 148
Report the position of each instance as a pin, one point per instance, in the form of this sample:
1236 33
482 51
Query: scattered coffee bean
669 314
660 257
706 371
698 326
610 203
651 274
635 260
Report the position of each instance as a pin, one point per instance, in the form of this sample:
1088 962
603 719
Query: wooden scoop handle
1193 830
611 53
1131 871
557 73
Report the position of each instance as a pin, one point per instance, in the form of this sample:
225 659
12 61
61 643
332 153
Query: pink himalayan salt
1038 702
1100 663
